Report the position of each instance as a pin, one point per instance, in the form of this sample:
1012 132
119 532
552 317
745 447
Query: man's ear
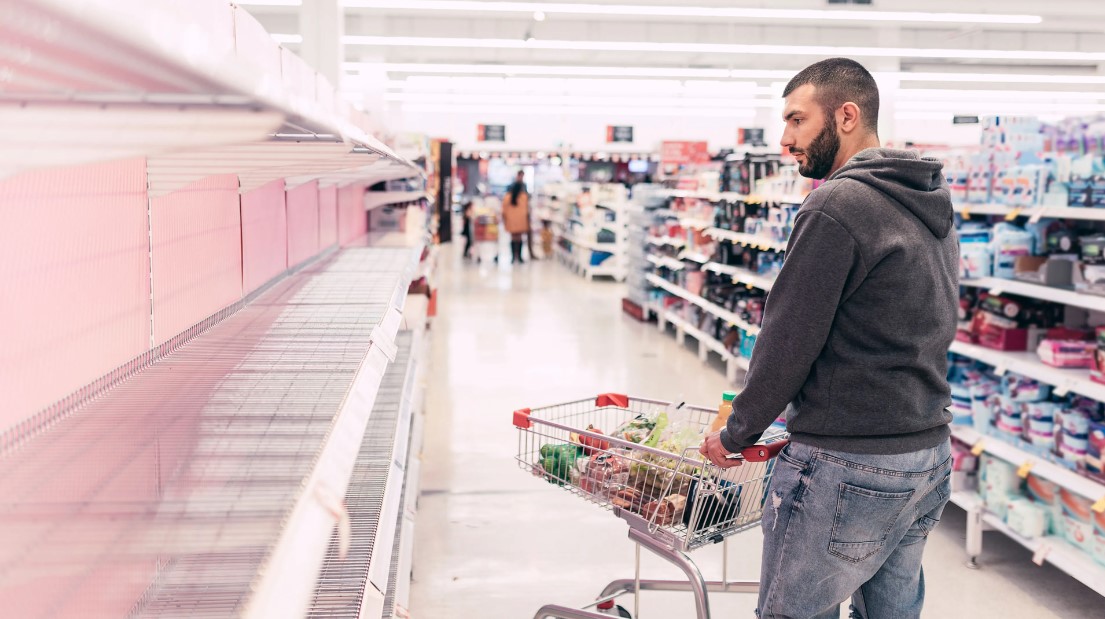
847 117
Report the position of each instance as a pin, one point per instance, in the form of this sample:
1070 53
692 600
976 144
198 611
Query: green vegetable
657 430
557 460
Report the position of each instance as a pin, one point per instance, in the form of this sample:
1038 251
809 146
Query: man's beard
821 153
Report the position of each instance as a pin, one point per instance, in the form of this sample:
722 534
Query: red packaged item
1067 353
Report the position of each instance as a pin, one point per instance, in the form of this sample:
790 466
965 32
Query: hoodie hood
915 182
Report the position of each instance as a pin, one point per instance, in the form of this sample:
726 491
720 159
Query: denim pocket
864 519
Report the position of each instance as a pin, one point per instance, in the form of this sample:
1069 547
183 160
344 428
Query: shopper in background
468 230
854 345
516 215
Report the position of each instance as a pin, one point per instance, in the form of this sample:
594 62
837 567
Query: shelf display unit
240 342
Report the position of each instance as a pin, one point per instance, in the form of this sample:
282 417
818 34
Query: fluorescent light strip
550 8
583 71
523 101
723 48
547 110
569 71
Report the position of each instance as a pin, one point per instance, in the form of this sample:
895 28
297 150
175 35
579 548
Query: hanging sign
619 133
492 133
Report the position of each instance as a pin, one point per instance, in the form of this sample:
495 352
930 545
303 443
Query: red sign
684 152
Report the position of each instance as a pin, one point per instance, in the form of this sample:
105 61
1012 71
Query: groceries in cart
647 465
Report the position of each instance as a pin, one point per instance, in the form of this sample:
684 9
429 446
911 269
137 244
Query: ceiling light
538 16
269 2
726 48
621 112
693 11
684 73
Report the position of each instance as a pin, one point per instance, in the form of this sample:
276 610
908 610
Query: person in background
468 231
854 345
516 215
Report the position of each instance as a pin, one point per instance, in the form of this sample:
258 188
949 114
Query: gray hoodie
858 324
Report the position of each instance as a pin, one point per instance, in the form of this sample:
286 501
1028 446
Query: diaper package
1026 518
1078 521
1046 494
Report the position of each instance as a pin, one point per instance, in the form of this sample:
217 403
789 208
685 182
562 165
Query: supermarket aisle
492 541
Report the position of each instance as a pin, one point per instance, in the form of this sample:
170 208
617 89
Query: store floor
492 541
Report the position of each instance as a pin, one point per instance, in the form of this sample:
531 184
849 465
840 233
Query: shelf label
1025 468
1000 370
996 291
1015 213
1040 213
1062 390
1041 554
1099 507
978 448
966 212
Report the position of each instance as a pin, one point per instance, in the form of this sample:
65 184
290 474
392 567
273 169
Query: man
854 345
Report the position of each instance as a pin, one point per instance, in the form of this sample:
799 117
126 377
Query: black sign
965 120
616 133
492 133
753 136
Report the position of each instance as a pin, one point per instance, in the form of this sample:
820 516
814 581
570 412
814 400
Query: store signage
965 120
619 133
752 136
681 153
492 133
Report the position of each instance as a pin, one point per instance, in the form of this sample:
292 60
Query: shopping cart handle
763 453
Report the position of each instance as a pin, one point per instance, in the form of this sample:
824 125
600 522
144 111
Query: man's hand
715 452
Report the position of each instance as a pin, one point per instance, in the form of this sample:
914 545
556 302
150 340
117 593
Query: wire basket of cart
638 458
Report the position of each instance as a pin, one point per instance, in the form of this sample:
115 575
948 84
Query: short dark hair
838 81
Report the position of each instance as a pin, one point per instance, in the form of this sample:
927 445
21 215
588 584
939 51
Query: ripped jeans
839 525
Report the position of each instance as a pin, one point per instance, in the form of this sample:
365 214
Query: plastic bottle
723 411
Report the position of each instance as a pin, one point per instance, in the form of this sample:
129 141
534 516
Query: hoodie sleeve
797 319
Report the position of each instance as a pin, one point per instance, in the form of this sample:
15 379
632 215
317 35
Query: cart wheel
622 612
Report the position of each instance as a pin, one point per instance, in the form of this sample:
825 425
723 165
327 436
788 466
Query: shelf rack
999 286
1028 364
1011 212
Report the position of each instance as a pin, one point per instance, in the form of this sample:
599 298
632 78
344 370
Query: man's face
810 135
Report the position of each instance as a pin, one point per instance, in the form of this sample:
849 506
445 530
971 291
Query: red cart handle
765 452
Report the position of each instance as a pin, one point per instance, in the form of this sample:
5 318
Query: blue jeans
839 525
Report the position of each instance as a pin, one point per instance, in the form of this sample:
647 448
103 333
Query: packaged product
1046 494
636 430
1078 521
605 473
666 511
1099 537
1095 450
1026 518
999 478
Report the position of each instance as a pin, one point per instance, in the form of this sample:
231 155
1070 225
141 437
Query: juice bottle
723 411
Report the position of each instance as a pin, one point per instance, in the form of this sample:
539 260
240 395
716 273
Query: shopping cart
673 502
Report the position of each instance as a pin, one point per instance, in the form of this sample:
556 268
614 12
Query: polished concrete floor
491 541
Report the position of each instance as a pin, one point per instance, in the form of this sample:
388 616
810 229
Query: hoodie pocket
864 520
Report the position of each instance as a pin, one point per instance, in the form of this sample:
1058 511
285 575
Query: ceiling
1014 56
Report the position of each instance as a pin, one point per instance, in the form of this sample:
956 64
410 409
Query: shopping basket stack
639 459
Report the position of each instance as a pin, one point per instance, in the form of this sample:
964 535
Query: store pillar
322 24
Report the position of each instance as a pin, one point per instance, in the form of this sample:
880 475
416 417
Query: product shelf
697 224
661 241
377 199
102 80
743 276
1054 212
1065 380
687 295
741 238
694 256
256 423
699 335
1038 291
1050 548
1051 471
664 261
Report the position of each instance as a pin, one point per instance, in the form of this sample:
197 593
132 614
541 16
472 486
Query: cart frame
719 502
